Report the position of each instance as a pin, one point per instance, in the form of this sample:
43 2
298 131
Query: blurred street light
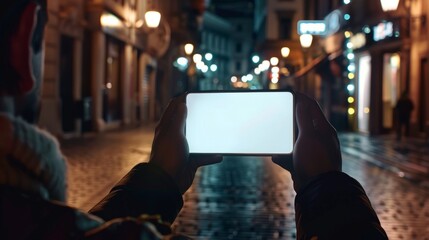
274 61
275 69
182 61
255 59
389 5
197 58
265 65
351 88
306 40
274 80
208 56
200 65
189 48
152 18
285 52
110 20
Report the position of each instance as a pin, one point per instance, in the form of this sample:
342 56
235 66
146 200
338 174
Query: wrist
162 168
309 181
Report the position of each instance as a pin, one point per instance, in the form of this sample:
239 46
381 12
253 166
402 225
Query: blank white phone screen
240 123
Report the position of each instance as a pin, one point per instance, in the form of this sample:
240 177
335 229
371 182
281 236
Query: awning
317 62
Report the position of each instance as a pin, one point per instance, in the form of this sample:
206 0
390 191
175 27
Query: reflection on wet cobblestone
252 198
241 198
402 207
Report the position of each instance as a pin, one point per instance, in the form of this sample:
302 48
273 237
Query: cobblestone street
250 198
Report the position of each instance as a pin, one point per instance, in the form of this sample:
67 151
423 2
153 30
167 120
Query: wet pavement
408 158
251 197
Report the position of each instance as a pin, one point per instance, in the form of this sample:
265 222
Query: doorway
364 92
112 91
391 87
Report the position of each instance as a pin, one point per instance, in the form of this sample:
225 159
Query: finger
284 161
205 159
303 115
168 113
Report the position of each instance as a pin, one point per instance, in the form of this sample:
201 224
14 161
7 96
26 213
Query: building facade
217 41
64 38
240 16
185 20
276 27
100 66
384 54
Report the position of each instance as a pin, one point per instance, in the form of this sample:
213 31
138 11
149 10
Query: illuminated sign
383 30
333 22
311 27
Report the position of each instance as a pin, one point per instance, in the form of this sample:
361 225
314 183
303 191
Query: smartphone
241 123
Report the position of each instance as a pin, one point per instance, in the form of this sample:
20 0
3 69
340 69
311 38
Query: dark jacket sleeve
335 206
146 189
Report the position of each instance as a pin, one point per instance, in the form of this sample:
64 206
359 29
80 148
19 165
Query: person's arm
157 187
329 204
146 189
335 206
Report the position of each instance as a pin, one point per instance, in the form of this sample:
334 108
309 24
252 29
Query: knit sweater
34 162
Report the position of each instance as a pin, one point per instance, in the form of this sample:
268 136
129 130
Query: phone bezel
253 91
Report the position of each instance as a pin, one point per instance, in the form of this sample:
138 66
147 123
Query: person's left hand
170 149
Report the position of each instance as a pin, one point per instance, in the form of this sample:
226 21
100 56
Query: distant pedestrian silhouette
403 110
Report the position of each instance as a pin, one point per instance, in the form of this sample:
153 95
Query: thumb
179 119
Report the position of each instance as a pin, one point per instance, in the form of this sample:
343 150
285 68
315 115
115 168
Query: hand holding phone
317 149
240 123
170 148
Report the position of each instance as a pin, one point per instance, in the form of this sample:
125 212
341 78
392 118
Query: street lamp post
285 51
152 16
305 40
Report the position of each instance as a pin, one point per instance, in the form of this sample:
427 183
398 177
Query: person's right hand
317 149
